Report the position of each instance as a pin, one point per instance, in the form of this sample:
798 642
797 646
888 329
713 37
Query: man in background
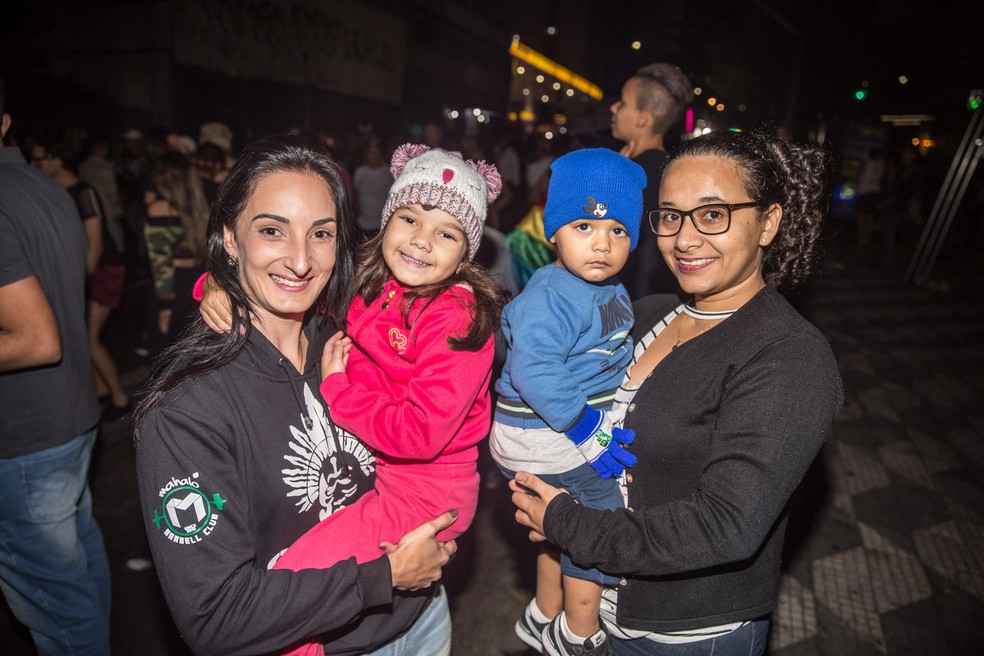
54 572
652 102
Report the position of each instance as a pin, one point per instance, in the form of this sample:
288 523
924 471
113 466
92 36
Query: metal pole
974 157
951 193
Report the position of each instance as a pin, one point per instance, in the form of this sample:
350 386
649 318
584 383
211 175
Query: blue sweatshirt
568 344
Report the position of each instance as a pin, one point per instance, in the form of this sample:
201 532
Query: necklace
679 339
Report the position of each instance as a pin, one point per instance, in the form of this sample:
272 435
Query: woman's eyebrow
280 219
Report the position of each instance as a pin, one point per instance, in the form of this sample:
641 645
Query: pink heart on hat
447 175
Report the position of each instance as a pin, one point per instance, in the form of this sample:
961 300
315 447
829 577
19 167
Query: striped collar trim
706 316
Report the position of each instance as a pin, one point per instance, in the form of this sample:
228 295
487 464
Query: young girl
412 377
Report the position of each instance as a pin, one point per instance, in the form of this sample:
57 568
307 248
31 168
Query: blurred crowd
144 197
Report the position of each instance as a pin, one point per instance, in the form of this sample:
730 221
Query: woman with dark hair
237 456
730 396
174 233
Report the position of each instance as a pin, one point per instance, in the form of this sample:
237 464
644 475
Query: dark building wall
309 64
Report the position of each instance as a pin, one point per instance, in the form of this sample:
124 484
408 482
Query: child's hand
215 308
335 357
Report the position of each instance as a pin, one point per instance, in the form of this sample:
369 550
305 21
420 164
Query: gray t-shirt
41 235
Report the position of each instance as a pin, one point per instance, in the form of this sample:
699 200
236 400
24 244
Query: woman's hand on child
215 307
417 560
531 496
334 359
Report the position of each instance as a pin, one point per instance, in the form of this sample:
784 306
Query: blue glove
601 443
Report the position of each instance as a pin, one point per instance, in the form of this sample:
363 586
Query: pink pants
406 496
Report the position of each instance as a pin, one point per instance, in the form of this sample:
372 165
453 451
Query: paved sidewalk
890 562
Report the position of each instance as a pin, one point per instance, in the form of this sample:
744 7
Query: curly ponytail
775 171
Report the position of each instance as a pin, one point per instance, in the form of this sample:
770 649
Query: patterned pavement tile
843 584
902 505
897 580
963 498
856 362
854 471
937 455
874 540
934 393
795 617
901 396
968 444
876 400
903 458
916 630
945 549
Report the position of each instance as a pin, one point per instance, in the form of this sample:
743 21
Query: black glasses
712 219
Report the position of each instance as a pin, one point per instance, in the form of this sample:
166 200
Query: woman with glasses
730 396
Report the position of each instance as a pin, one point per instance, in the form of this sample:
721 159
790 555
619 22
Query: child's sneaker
529 630
555 644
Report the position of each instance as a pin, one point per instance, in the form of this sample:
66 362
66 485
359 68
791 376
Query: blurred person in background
105 271
221 135
651 103
538 170
510 205
869 194
371 182
177 218
99 171
210 165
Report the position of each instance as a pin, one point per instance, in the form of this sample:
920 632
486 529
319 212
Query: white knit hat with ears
443 179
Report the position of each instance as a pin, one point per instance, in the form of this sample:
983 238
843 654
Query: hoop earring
232 262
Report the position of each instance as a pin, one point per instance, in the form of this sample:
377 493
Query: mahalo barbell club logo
187 515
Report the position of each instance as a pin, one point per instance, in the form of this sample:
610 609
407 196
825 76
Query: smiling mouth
288 283
413 261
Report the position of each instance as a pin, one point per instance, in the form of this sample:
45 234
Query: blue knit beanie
594 183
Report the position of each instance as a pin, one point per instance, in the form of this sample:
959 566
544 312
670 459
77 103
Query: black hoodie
233 466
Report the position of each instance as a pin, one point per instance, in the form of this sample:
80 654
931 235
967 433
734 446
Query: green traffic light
860 94
974 100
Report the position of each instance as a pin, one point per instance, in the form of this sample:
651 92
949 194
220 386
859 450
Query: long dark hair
790 174
176 182
200 350
489 297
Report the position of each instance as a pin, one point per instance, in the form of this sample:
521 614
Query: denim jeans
53 567
430 635
749 640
